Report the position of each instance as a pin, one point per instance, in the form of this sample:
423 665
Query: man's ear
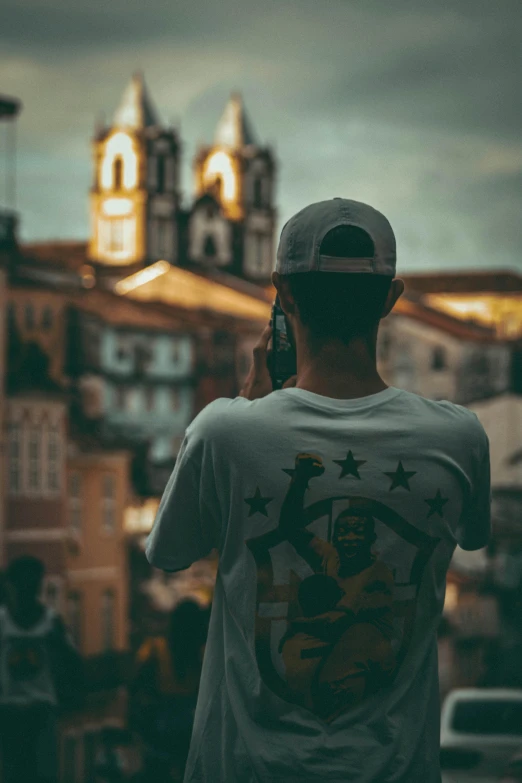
395 292
285 294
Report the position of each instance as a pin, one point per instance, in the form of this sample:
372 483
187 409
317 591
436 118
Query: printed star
258 503
349 466
437 504
400 477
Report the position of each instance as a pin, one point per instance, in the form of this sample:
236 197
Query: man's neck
339 371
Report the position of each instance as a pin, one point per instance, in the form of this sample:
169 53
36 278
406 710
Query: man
38 667
403 476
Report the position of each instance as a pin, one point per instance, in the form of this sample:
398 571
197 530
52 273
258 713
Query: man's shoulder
215 417
442 412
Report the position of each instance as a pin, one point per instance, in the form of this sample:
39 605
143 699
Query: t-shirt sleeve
188 523
475 525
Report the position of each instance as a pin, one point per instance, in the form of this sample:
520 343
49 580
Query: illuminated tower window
117 172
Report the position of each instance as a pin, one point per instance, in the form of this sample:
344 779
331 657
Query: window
174 399
491 716
160 174
34 447
258 192
53 460
117 173
116 235
75 503
47 318
122 347
29 317
108 502
74 617
107 617
15 435
438 359
210 249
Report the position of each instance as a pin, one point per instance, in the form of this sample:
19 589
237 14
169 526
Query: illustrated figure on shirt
338 651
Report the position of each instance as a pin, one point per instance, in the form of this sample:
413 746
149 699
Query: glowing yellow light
142 277
186 289
501 312
120 145
117 207
219 165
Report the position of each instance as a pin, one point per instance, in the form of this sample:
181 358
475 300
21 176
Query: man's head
335 272
354 533
24 578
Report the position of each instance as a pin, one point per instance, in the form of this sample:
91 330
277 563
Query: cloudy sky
411 105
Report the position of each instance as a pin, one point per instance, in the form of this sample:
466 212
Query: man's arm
292 520
187 525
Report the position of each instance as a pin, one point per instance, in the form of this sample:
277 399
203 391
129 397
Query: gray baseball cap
300 243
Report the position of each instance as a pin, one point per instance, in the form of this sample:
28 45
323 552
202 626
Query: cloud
412 106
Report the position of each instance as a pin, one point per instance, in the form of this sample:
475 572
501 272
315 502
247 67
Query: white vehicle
481 729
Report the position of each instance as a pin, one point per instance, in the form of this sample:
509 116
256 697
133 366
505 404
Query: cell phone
283 360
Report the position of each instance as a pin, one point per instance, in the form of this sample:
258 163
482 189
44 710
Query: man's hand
308 465
258 382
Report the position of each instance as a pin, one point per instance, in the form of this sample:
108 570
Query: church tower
233 219
135 196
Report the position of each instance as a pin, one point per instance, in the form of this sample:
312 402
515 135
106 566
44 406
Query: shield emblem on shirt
328 635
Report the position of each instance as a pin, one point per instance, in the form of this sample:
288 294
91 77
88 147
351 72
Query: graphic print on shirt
333 619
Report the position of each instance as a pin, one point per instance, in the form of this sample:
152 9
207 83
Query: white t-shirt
335 522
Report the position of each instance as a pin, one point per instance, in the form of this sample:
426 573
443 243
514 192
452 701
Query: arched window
258 192
117 173
210 249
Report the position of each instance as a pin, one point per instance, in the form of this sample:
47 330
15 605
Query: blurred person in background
40 671
336 505
164 691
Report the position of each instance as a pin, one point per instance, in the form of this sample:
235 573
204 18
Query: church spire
135 110
234 129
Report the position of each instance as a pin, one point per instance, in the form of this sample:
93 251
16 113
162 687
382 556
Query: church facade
135 201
